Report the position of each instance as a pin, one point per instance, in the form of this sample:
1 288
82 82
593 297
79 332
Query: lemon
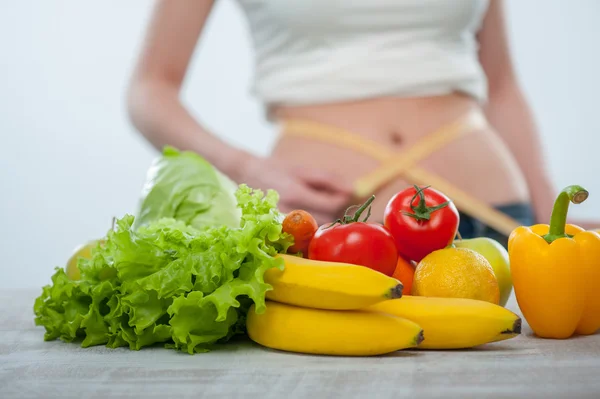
83 251
456 273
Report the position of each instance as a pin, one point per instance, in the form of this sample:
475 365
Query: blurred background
71 161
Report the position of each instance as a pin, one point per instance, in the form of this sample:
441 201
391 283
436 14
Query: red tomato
355 242
421 220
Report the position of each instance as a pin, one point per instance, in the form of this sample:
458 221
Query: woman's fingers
585 224
306 197
320 216
325 195
321 190
324 180
323 206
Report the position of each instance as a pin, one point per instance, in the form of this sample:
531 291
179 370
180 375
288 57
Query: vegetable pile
184 271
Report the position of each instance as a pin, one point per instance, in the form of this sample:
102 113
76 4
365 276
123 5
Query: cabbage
184 186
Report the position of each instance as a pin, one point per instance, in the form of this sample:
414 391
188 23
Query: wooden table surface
524 367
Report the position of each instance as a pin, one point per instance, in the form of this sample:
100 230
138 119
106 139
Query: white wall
70 160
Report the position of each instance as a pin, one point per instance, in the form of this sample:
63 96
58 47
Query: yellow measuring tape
404 164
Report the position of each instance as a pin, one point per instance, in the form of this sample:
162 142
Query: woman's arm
157 112
153 98
509 112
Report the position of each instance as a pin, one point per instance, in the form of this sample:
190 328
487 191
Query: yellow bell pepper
556 272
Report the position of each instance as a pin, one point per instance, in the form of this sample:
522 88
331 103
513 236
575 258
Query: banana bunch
314 308
342 309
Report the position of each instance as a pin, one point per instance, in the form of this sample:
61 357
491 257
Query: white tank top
318 51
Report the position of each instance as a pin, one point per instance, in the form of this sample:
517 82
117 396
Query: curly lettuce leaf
168 282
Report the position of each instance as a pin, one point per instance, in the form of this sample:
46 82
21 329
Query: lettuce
184 186
167 281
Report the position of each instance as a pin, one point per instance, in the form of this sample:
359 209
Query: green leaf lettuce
180 278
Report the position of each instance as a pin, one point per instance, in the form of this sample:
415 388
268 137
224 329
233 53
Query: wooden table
524 367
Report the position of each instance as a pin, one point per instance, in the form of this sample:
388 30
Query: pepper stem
558 220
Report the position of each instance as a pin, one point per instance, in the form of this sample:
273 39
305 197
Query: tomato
421 220
356 242
302 226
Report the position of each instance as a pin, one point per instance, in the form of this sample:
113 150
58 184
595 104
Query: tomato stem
355 218
422 212
362 209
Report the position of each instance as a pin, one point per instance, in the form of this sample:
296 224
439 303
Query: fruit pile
204 260
343 309
415 244
342 294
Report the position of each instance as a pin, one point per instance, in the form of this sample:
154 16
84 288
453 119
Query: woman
385 74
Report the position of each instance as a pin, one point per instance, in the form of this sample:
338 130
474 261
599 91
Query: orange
456 273
405 272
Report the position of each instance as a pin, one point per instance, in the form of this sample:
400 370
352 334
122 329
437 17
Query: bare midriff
478 163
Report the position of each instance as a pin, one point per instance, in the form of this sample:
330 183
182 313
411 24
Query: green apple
83 251
497 255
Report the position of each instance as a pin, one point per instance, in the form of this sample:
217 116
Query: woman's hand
319 192
586 224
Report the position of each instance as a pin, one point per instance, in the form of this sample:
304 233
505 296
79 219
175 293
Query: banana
329 285
331 332
453 323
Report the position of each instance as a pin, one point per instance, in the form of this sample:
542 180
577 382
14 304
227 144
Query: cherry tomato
421 220
356 242
302 226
